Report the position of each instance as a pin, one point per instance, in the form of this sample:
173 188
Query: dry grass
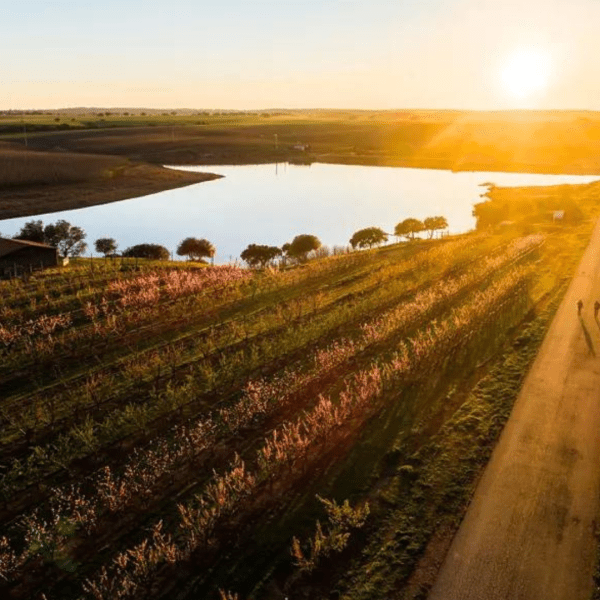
39 182
527 141
21 167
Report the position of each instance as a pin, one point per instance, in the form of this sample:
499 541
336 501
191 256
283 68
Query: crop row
289 440
51 289
291 448
260 393
88 436
120 295
132 291
198 345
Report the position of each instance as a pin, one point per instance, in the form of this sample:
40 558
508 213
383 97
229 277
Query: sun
526 72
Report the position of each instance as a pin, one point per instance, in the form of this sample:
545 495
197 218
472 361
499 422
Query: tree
195 249
62 235
32 231
258 255
490 213
371 236
153 251
431 224
408 228
106 246
66 237
303 244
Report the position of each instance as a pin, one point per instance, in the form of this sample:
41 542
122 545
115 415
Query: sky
237 54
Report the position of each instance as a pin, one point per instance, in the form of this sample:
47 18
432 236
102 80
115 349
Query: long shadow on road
588 337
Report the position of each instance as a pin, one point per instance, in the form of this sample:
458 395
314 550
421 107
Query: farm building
19 256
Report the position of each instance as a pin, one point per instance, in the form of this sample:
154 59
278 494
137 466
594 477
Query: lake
270 204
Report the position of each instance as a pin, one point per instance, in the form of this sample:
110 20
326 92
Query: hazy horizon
184 109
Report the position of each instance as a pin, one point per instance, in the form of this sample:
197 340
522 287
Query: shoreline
136 181
393 161
148 178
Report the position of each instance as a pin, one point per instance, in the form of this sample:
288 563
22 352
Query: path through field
531 530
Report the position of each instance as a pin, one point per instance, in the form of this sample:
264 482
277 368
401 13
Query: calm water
269 204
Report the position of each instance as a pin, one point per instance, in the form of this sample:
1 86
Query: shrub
153 251
371 236
408 228
106 246
301 245
258 255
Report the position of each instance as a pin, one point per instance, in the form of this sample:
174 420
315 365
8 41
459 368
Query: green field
74 158
534 141
165 428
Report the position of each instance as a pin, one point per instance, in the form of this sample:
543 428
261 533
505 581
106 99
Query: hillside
165 430
36 182
533 141
60 170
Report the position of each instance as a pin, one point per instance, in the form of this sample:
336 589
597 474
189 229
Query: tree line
373 236
256 255
194 248
69 239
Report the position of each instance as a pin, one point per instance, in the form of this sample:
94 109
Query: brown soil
130 182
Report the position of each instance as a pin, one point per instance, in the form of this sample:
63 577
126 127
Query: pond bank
132 182
271 204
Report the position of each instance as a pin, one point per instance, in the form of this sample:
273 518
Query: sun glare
526 72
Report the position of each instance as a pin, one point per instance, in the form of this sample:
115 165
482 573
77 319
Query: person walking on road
579 306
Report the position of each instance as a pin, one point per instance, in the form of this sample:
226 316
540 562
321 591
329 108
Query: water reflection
270 204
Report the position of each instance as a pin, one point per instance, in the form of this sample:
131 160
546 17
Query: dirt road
531 530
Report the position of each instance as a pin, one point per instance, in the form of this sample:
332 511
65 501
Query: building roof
8 246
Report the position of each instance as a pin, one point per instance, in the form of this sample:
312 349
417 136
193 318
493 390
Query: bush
408 228
490 213
301 245
106 246
371 236
257 255
153 251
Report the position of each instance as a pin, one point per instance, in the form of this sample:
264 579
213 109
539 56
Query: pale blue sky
309 53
